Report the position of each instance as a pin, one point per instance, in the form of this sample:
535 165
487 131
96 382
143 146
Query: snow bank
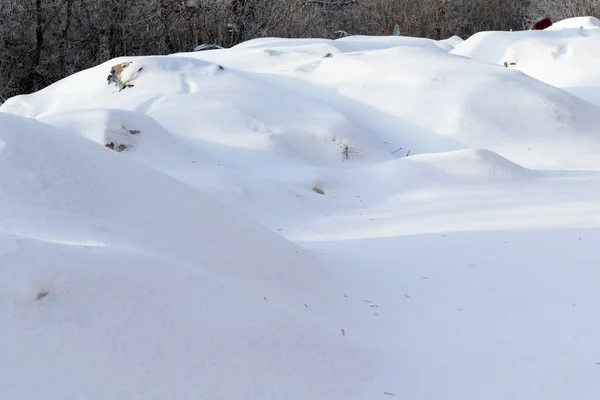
119 282
280 55
223 114
144 140
372 102
562 57
577 22
477 165
409 167
454 103
150 75
453 41
343 45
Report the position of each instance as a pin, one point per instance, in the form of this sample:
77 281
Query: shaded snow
167 284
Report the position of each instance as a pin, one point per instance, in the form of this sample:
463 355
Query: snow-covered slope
375 99
308 219
577 22
137 286
565 56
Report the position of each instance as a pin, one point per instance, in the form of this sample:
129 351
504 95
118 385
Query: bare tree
562 9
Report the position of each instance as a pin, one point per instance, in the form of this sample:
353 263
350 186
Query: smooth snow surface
362 218
578 22
566 55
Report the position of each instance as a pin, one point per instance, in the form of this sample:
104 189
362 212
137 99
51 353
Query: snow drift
564 56
394 89
112 272
308 219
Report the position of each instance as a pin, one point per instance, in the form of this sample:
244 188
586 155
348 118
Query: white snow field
362 218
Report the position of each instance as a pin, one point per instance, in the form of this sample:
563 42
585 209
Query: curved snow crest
347 44
145 140
472 164
564 58
227 115
59 172
151 75
281 55
465 104
150 283
493 46
419 98
453 41
577 23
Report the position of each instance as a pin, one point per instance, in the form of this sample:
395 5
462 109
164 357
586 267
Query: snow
153 289
566 58
341 219
577 22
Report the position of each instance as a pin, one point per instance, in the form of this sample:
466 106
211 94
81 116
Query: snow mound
409 167
452 41
455 104
144 140
470 165
577 22
225 115
44 167
281 55
565 58
150 76
159 291
342 45
364 106
311 110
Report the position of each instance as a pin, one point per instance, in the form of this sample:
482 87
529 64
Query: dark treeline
42 41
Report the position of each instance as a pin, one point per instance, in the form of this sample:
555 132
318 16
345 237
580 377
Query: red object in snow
541 25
